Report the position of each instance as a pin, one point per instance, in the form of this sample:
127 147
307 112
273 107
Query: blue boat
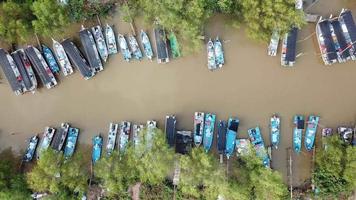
126 53
147 48
298 132
231 134
209 126
310 133
48 54
219 53
221 139
198 128
258 144
97 146
110 40
31 149
72 138
275 130
135 49
125 130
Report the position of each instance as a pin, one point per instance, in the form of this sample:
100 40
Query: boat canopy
90 50
170 129
22 69
291 45
9 73
328 40
161 45
348 22
340 38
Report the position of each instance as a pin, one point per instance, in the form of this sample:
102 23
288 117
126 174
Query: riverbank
251 86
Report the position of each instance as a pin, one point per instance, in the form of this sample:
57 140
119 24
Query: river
251 86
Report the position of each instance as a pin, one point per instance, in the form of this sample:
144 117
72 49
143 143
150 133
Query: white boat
211 55
46 140
147 48
110 40
136 131
135 49
126 53
110 146
125 130
100 42
62 58
151 125
273 45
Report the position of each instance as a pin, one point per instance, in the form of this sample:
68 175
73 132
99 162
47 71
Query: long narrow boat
46 68
242 147
174 45
275 125
325 133
110 40
211 55
170 129
124 137
231 134
209 126
136 134
28 67
31 149
161 44
221 139
198 128
90 50
147 48
25 68
151 125
62 58
273 45
135 49
46 140
258 144
60 137
69 148
126 53
310 133
219 53
100 42
110 146
298 132
97 148
51 60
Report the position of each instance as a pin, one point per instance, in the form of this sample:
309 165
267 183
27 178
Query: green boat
174 45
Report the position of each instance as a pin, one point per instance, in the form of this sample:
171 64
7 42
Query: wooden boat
62 58
219 53
151 125
25 69
110 40
51 60
174 45
310 133
242 147
257 142
46 140
209 126
97 147
124 137
31 149
275 126
198 128
110 146
211 55
298 132
100 42
231 134
147 48
273 45
126 53
136 131
135 49
221 139
60 138
69 148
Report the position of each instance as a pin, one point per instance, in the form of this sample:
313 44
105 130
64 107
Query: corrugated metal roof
291 45
9 73
328 41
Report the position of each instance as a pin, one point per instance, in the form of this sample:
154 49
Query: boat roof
340 37
170 129
77 58
20 65
38 65
161 45
6 67
328 40
291 44
346 16
183 142
88 46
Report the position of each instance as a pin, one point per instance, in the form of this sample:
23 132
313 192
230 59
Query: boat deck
328 40
20 65
170 129
90 49
37 64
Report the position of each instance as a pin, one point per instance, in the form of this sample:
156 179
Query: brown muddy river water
251 86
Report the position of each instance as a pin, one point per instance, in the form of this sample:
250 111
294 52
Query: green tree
15 21
12 183
334 173
85 9
51 17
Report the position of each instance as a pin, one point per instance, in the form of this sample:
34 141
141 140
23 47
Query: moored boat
273 45
310 133
221 139
325 133
136 134
209 126
211 55
135 49
298 132
124 137
174 45
46 140
198 128
275 126
170 129
257 142
110 146
69 148
51 60
31 149
151 125
147 48
62 58
25 69
100 42
29 69
346 134
97 148
90 50
110 40
60 137
126 53
242 147
231 134
219 53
